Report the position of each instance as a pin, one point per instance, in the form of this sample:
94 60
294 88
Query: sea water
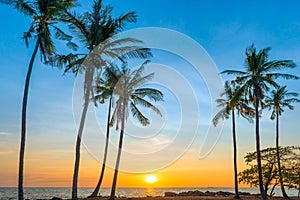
65 193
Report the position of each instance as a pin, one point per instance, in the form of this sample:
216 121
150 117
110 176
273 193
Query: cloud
3 153
5 133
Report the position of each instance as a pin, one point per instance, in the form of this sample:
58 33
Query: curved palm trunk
260 178
114 184
88 86
96 191
23 128
236 185
278 157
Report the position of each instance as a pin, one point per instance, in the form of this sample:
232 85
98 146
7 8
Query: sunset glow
151 179
151 146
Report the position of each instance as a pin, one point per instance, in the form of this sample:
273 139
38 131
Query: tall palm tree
130 95
96 30
233 101
45 15
279 99
104 91
259 75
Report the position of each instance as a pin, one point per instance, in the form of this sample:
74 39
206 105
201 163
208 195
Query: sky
170 147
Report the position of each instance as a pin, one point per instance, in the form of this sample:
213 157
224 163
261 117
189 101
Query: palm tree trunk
88 86
278 157
96 191
114 184
236 185
260 177
23 128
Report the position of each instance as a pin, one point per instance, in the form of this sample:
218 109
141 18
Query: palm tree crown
260 73
233 100
96 32
129 95
279 99
45 14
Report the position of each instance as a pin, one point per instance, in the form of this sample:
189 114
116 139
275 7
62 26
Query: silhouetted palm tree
233 101
104 91
45 15
96 30
130 93
279 99
259 74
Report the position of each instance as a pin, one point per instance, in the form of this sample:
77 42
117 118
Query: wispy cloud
5 133
3 153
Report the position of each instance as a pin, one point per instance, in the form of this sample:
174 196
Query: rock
208 193
245 193
56 198
170 194
224 194
192 193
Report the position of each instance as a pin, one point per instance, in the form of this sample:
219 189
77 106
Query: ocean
65 193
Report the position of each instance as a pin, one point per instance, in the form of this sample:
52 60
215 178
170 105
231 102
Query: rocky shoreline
207 193
188 195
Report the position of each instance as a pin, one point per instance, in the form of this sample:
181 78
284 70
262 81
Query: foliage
45 14
279 99
128 93
290 157
232 100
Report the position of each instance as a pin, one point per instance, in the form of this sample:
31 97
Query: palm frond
59 34
28 35
222 114
139 101
278 65
78 25
138 115
151 93
234 72
280 75
22 6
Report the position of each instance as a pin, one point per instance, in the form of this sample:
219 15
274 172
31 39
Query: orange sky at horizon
52 168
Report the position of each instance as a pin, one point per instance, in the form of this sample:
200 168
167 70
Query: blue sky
223 28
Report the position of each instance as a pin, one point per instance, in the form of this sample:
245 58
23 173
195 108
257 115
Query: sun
151 179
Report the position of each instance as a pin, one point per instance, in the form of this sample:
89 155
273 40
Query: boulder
208 193
224 194
170 194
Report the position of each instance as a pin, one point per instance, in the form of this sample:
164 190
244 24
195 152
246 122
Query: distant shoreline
63 193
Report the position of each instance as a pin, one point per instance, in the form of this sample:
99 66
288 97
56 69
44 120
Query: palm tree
130 95
96 30
233 101
259 74
45 15
104 90
279 99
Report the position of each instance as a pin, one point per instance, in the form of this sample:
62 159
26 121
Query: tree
104 90
259 75
96 30
269 168
45 15
291 172
278 100
233 101
129 95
